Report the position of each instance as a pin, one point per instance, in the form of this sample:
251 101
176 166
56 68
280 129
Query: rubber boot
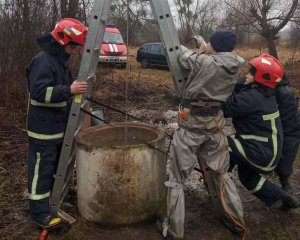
289 202
285 183
48 223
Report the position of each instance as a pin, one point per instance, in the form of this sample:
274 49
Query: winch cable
121 112
129 115
129 134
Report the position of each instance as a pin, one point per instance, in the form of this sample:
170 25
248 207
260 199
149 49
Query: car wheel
145 63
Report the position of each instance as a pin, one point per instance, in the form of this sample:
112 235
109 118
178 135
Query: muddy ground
149 95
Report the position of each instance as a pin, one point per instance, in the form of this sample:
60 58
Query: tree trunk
54 15
271 46
26 31
63 8
73 8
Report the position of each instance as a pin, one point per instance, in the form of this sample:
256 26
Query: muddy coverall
290 119
257 144
49 81
200 136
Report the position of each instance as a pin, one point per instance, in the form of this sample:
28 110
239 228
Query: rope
222 193
121 112
130 135
134 117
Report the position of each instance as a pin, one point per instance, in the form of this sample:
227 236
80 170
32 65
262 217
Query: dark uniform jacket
256 118
49 81
288 108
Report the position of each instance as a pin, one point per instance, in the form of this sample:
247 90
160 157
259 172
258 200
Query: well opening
120 177
121 135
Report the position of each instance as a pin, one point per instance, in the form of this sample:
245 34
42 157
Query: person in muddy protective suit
213 72
50 87
290 119
257 144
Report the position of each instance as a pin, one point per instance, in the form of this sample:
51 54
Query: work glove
200 42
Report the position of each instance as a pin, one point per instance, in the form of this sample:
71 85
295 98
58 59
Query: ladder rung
76 132
87 72
72 155
91 76
84 103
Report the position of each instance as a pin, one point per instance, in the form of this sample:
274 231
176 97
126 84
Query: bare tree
140 20
195 16
21 22
69 8
267 17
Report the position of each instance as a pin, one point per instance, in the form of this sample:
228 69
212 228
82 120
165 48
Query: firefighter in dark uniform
50 86
290 119
257 144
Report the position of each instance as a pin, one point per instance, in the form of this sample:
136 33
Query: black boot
285 183
289 202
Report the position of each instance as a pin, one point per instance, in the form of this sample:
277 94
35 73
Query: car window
155 48
146 47
110 37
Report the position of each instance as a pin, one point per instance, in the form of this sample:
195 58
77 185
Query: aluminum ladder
97 23
170 41
88 66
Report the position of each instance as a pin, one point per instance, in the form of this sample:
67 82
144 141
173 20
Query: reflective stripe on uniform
259 185
272 117
33 195
48 94
36 173
269 117
45 136
242 152
39 196
36 103
255 137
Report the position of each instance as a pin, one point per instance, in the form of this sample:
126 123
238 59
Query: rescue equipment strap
173 184
222 191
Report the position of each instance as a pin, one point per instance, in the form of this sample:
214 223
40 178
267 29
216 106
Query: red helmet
69 31
269 71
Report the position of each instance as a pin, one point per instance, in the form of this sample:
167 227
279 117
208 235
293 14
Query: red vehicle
113 49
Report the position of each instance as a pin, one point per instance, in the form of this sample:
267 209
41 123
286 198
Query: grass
147 90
